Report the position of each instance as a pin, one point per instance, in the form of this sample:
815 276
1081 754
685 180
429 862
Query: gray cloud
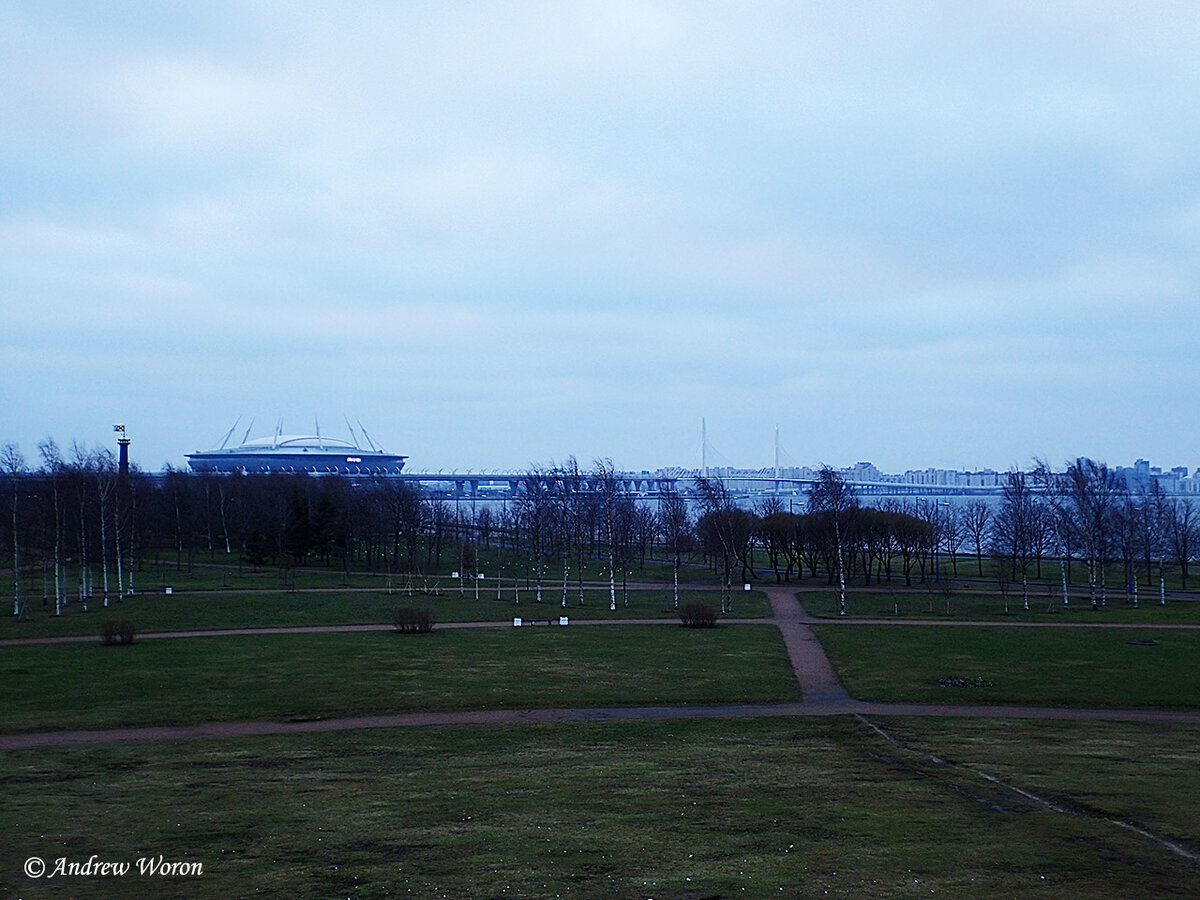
921 233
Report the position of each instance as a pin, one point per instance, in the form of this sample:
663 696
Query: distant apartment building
1177 480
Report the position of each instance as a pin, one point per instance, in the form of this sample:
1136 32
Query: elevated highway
501 485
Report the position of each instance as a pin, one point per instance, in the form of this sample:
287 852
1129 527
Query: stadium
314 454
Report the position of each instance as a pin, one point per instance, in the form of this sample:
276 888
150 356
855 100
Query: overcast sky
920 234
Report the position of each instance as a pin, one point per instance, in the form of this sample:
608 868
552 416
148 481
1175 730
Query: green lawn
689 809
242 609
1148 774
984 604
216 572
1104 667
195 679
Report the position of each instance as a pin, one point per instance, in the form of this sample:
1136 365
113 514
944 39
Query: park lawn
985 605
1148 774
266 609
688 809
207 572
279 677
1047 666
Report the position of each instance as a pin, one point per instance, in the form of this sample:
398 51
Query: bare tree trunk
675 575
117 543
58 572
224 521
580 566
837 531
104 491
16 555
1062 571
612 576
84 587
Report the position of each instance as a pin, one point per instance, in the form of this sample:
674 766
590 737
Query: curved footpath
822 692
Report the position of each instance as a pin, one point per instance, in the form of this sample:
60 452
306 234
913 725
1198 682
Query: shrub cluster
698 615
414 621
114 632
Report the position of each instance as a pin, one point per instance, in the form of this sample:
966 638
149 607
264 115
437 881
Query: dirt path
823 695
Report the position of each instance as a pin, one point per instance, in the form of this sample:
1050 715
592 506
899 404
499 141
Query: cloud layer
920 234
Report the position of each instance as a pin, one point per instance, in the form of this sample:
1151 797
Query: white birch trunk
104 545
117 547
837 535
675 575
1062 573
612 578
16 557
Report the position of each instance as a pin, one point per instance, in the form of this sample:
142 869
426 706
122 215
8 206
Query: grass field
690 809
197 679
216 572
1049 666
681 809
986 605
263 609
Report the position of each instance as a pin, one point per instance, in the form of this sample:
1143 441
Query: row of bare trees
1089 515
563 516
76 513
76 517
76 508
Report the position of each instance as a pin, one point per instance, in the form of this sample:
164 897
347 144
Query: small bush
114 632
414 621
698 615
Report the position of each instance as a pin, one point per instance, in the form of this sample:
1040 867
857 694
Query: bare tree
1055 493
717 530
1014 527
977 520
579 519
1092 489
53 464
833 497
608 490
534 512
568 518
106 480
774 533
1155 530
1127 515
1185 534
13 463
676 525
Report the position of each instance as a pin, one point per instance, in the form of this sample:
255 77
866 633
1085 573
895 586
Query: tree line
76 518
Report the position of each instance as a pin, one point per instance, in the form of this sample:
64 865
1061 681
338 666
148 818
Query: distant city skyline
937 234
1188 477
